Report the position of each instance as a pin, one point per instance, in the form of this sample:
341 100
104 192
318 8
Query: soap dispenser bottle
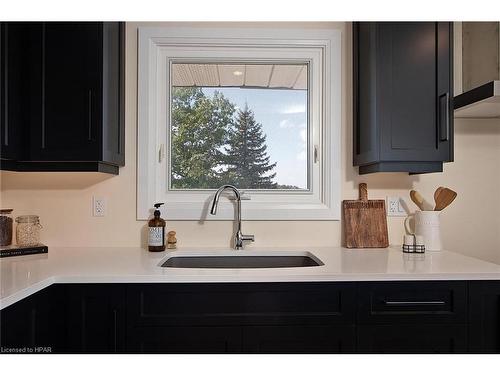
156 238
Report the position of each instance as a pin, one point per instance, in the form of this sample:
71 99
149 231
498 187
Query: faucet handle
239 239
248 237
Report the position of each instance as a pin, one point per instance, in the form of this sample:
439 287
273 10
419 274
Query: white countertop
25 275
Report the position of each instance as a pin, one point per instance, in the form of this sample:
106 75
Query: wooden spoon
436 195
417 199
444 198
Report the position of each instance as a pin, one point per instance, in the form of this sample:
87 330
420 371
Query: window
259 110
244 125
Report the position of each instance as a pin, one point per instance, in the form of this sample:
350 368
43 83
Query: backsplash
64 200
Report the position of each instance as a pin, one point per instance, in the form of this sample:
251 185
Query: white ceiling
253 75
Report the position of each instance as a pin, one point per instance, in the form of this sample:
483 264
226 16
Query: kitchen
101 260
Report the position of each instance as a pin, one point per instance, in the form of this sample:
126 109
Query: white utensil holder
427 225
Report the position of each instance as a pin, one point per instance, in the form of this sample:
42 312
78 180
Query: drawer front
412 339
299 339
184 340
412 302
240 303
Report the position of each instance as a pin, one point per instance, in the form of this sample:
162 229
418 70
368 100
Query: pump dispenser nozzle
157 211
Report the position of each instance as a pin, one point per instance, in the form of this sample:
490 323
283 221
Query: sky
283 116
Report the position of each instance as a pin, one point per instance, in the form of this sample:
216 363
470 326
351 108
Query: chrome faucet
239 238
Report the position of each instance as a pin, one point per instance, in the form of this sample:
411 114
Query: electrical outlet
394 207
99 206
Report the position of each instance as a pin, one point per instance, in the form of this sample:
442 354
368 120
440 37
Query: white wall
63 200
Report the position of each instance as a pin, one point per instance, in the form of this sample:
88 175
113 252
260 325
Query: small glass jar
28 230
6 226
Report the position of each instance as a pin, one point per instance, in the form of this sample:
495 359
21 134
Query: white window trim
156 48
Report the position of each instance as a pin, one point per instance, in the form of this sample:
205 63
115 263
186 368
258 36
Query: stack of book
14 250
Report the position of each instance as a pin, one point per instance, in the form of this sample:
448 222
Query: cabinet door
96 318
12 86
69 60
299 339
414 64
6 152
19 325
35 324
414 339
184 340
484 315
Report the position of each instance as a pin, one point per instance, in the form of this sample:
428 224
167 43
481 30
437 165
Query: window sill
255 211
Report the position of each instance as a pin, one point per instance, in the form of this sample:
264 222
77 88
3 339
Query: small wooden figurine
171 240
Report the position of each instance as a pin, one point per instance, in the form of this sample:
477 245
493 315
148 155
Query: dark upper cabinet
12 85
72 103
403 92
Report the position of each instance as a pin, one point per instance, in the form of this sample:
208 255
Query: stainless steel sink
242 259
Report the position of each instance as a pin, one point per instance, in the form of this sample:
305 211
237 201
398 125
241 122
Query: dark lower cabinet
412 338
216 304
299 339
330 317
484 315
36 324
412 302
412 317
241 317
96 318
24 324
183 340
248 339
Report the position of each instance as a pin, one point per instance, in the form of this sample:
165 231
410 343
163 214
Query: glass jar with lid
6 226
28 230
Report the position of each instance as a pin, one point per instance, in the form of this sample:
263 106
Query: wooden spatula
436 195
443 198
417 199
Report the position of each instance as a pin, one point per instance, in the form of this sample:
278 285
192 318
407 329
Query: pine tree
199 132
248 164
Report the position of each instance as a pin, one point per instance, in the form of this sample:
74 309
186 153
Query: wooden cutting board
365 221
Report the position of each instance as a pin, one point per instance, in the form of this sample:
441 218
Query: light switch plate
98 206
395 207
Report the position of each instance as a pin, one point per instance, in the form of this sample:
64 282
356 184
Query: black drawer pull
414 303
